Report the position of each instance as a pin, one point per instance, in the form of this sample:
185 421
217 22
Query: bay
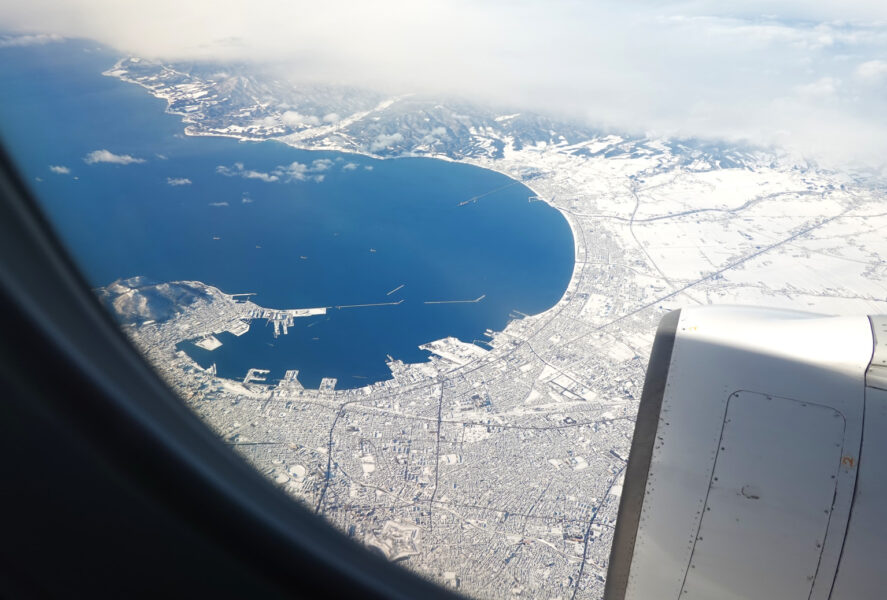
347 230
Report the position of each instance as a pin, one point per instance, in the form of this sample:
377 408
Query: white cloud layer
60 169
13 41
238 170
106 156
295 171
872 71
806 75
384 140
178 181
295 119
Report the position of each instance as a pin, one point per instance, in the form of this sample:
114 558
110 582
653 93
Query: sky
807 76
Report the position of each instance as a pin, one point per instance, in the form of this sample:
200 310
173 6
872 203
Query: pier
476 300
208 342
256 376
282 320
395 289
474 199
372 304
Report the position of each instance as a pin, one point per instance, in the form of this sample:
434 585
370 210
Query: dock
208 342
256 376
395 289
282 320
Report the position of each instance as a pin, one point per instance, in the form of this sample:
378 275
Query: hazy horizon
811 79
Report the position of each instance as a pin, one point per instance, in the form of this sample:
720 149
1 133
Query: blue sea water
367 228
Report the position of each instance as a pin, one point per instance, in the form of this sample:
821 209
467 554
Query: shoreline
191 129
442 157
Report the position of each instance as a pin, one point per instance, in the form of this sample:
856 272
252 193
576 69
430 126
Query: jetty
474 199
371 304
476 300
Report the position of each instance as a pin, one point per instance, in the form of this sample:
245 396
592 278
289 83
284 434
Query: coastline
541 316
442 157
191 128
489 349
552 402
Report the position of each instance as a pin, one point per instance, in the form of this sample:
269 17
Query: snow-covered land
499 472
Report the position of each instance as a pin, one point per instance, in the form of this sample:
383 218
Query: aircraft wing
758 467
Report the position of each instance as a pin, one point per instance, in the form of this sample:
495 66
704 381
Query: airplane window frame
146 432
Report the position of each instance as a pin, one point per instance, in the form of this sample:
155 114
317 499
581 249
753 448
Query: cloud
177 181
872 71
699 68
60 169
270 121
218 204
106 156
821 88
385 141
297 120
349 166
15 41
435 135
238 170
295 171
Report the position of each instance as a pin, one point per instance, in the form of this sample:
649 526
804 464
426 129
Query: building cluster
497 468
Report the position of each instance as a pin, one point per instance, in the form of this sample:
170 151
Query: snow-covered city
497 470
